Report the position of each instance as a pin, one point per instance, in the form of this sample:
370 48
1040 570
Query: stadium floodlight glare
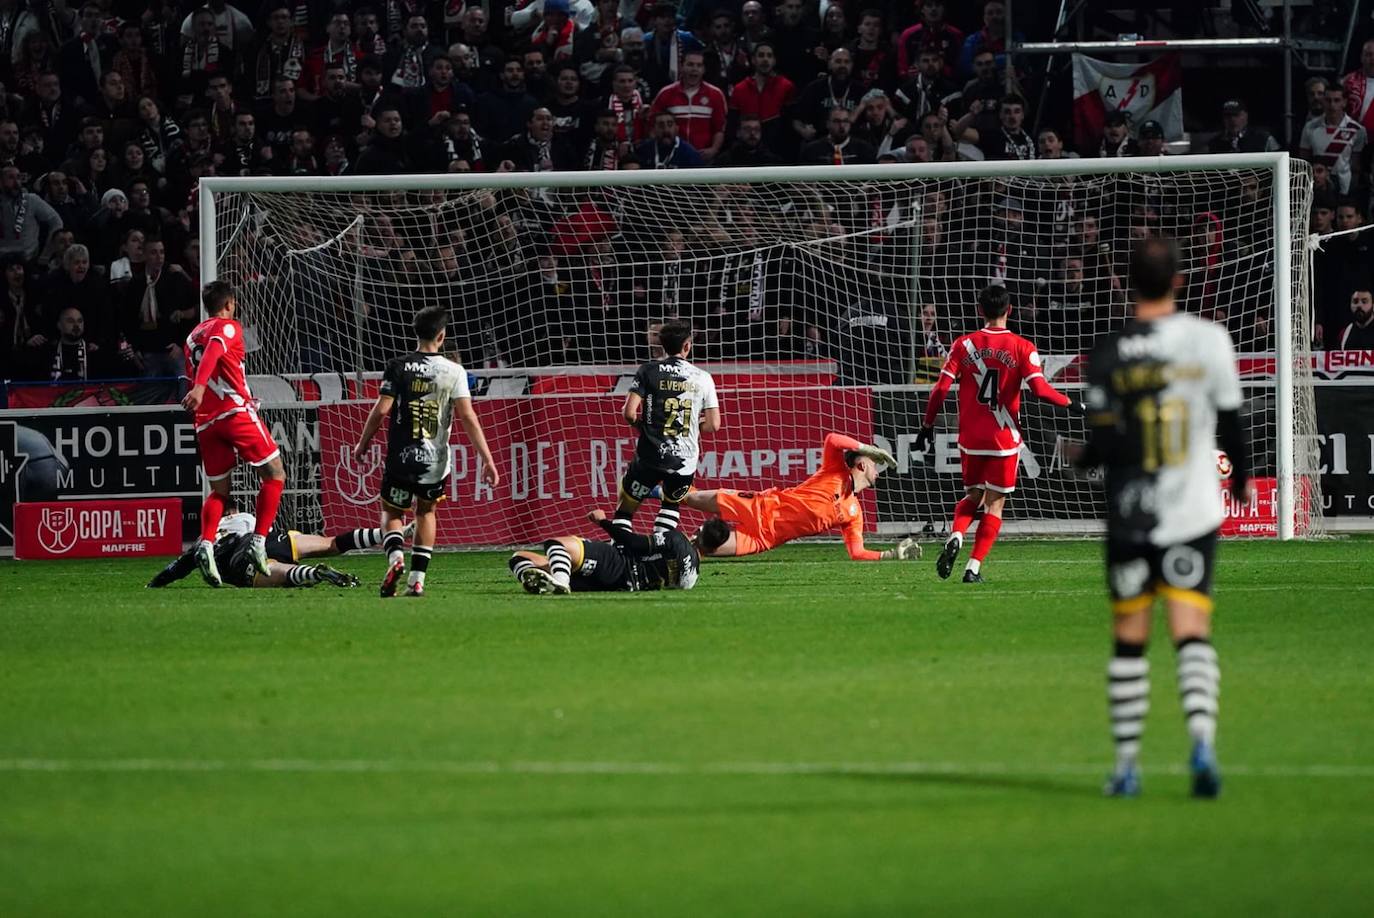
821 298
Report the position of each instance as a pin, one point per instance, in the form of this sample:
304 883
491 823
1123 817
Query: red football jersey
989 365
226 392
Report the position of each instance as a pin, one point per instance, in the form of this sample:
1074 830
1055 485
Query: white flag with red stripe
1145 92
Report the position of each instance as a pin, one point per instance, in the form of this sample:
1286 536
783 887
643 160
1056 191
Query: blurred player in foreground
829 499
671 403
989 365
1161 392
630 562
427 390
228 428
285 549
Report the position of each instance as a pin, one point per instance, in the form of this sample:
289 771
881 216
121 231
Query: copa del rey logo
57 530
354 478
60 528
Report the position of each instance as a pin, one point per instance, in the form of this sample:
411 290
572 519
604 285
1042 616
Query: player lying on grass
284 550
989 365
829 499
630 562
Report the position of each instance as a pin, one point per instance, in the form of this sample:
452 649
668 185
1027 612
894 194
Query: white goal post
820 296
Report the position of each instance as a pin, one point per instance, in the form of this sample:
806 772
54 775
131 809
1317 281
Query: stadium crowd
112 111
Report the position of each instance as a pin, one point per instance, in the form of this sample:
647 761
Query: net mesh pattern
818 305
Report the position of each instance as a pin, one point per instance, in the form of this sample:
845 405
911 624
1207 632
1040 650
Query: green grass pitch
800 735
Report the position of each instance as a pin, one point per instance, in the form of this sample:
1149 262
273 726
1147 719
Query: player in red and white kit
228 427
989 365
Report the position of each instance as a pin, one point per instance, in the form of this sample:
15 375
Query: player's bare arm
375 419
710 420
632 408
467 416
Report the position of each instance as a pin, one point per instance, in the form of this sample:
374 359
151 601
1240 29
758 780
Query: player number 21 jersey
226 392
675 394
989 365
424 387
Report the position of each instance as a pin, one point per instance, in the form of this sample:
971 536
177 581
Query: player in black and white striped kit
1161 393
671 403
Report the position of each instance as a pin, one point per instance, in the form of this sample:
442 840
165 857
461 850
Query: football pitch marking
630 769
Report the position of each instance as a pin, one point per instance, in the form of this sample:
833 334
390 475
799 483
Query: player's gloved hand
906 550
596 516
924 440
1077 408
877 454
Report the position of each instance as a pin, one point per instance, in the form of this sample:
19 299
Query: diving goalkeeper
829 499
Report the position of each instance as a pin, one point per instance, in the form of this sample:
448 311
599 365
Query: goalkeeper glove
906 550
924 440
1078 409
877 454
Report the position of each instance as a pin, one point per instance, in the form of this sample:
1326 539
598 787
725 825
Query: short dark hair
673 336
1014 98
764 44
1154 264
713 533
216 296
430 322
994 301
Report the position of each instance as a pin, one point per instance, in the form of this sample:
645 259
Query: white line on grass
739 769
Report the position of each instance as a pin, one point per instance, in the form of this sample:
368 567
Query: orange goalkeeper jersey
822 502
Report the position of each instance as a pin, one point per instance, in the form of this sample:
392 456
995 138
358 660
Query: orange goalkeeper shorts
751 513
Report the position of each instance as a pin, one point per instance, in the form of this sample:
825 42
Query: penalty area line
631 769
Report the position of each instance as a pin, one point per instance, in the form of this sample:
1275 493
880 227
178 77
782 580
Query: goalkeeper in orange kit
755 521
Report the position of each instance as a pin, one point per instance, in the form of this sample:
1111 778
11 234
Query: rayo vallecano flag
1145 92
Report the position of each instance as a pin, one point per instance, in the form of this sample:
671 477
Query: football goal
821 298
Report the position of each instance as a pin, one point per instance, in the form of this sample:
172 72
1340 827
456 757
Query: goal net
821 299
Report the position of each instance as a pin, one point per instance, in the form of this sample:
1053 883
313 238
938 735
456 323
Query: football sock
982 541
358 538
519 565
1128 700
419 563
302 575
560 562
963 516
1199 680
668 517
211 511
265 508
393 543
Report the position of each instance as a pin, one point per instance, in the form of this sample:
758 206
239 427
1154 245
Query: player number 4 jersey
226 392
990 365
424 387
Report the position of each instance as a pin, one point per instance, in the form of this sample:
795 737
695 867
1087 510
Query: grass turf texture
816 736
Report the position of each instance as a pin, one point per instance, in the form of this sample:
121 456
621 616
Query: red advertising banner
132 527
557 464
1259 519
